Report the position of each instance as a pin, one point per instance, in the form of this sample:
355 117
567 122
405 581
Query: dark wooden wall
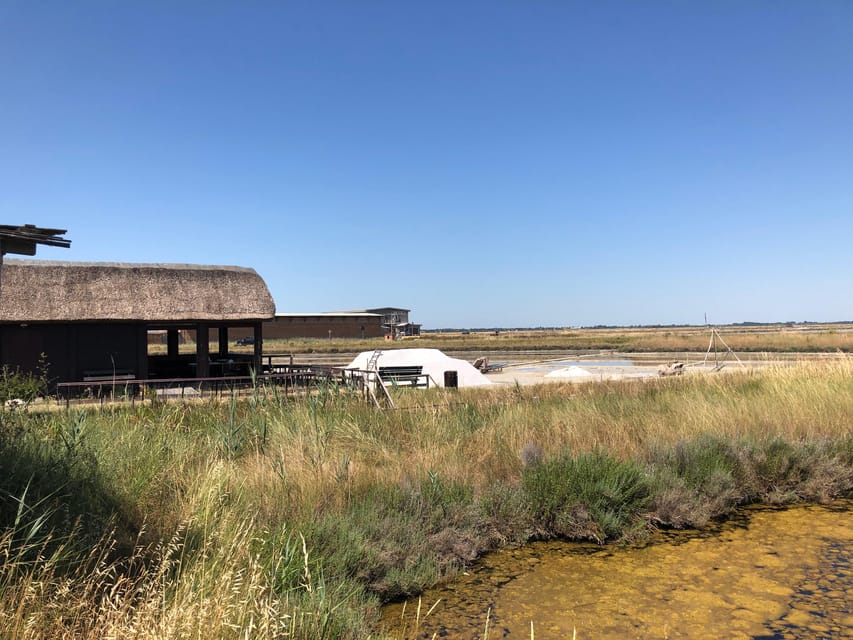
74 350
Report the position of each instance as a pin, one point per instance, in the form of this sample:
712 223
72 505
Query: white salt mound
573 372
433 361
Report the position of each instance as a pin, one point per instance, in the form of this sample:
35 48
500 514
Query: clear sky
488 163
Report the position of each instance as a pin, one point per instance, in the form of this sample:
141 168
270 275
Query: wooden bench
412 376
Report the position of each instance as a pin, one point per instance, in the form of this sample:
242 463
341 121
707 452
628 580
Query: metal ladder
374 359
373 367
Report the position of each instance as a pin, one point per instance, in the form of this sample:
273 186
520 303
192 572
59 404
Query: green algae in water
767 573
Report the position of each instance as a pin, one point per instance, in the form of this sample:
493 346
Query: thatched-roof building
92 320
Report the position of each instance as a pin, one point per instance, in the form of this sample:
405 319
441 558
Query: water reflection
553 365
768 573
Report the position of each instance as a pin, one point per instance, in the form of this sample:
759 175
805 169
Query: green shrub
397 540
505 514
772 470
593 496
377 540
710 467
20 385
695 481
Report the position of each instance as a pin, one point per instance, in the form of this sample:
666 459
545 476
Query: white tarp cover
433 361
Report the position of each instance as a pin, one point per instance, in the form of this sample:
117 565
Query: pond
764 574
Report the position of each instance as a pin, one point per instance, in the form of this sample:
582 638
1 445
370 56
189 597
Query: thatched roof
48 291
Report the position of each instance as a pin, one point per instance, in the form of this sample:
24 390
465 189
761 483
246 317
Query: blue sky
483 163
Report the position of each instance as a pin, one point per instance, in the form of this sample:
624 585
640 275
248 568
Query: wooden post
257 332
202 351
142 352
172 342
223 342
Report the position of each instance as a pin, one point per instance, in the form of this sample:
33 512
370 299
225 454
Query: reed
273 517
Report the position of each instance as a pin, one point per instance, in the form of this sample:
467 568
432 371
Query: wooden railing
287 380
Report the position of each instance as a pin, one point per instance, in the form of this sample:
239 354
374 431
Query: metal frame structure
24 239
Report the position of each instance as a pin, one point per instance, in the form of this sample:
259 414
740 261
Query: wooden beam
257 329
142 352
172 343
223 342
202 350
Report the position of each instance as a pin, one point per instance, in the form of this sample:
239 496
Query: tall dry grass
277 517
477 437
218 587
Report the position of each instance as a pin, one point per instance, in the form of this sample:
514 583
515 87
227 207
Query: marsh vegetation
781 338
296 517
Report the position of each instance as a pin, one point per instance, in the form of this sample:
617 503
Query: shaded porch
203 349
